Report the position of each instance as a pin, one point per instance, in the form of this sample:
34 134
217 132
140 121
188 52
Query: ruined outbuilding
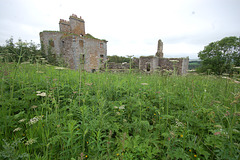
158 63
75 47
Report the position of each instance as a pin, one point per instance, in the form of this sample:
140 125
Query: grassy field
55 113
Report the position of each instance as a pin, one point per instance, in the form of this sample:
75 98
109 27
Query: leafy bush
221 56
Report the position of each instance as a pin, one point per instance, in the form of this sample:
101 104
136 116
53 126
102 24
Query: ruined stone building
155 63
74 46
158 63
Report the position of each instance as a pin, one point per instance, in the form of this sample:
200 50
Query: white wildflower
30 141
144 84
17 129
60 68
34 120
33 107
236 82
179 124
43 94
38 92
25 62
21 120
122 107
218 126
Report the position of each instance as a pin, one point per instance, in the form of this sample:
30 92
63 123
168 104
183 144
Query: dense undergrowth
49 113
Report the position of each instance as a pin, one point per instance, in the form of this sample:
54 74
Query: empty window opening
81 43
82 58
101 45
51 43
101 58
148 67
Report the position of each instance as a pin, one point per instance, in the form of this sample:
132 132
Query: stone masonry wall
148 63
77 25
185 64
71 50
77 48
64 26
113 65
54 36
170 64
96 54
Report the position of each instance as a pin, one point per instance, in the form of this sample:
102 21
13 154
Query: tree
118 59
221 56
19 51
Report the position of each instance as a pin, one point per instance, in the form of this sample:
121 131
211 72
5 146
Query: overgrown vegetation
56 113
52 112
221 56
118 59
194 64
29 52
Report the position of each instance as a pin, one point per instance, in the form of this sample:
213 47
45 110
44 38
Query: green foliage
90 36
9 151
49 113
24 51
29 53
118 59
193 64
221 56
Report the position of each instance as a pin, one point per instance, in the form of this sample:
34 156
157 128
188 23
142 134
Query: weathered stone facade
76 47
158 63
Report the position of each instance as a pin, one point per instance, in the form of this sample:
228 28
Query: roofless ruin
79 49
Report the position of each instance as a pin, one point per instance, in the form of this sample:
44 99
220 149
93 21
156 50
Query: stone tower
77 25
64 26
160 49
74 46
74 25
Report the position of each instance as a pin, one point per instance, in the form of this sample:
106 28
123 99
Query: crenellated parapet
63 21
75 17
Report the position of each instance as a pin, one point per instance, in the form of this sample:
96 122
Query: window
148 67
51 43
101 45
101 58
81 43
82 58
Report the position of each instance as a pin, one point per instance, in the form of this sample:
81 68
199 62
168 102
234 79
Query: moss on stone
68 34
92 37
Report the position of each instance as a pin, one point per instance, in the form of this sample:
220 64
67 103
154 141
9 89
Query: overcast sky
132 27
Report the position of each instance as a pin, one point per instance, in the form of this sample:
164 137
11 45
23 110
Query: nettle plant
55 113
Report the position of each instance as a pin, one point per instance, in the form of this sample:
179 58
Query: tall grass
66 114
